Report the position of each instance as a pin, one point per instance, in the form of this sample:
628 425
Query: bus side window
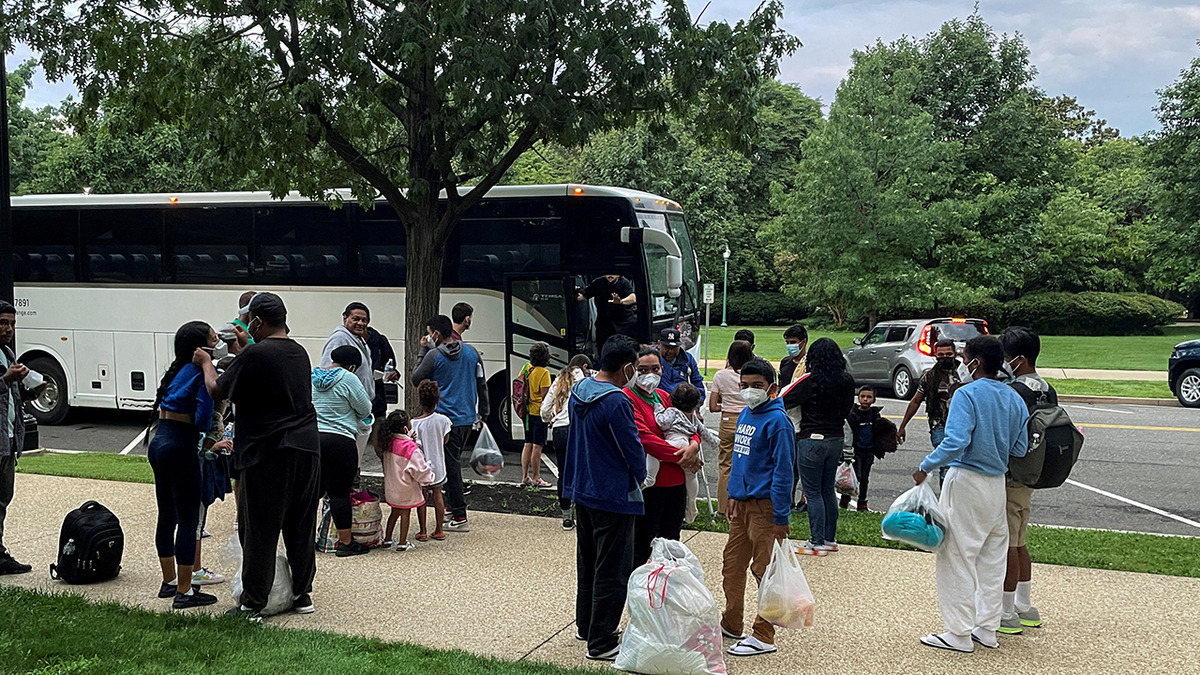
209 244
123 245
303 244
44 245
382 253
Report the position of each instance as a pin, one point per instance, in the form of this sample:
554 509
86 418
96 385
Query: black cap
269 308
669 337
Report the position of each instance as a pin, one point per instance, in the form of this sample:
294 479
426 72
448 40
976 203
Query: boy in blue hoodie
760 501
603 472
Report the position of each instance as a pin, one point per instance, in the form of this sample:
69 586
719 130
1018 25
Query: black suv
1184 373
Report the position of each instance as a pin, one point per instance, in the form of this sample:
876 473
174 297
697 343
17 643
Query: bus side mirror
674 275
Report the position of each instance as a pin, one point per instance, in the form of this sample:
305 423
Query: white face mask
754 397
648 382
965 373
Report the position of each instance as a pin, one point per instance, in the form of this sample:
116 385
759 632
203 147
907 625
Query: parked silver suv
895 353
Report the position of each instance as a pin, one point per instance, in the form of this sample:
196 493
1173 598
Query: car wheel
902 383
50 406
1188 388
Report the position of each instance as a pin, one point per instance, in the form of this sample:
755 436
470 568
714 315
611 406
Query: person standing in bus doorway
678 366
458 370
461 315
277 452
13 438
356 319
381 354
616 305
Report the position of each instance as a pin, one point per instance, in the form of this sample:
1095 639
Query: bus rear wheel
50 406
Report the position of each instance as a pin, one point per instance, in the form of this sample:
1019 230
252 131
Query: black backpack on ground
89 546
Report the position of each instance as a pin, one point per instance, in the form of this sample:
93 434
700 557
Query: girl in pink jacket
404 472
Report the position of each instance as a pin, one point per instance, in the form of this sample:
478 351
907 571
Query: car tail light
958 320
983 325
924 345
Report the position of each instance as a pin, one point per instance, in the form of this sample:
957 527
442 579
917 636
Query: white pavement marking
1092 407
1126 500
134 443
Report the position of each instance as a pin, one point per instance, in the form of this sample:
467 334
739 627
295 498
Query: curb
1121 400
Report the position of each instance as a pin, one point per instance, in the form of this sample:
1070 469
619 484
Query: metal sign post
710 294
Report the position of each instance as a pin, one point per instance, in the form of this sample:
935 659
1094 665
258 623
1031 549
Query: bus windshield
691 275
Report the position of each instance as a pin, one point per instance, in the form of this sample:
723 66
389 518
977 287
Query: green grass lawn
1133 352
1112 388
1149 553
98 465
64 634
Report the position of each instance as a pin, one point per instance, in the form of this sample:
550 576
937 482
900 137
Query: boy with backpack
1021 348
862 419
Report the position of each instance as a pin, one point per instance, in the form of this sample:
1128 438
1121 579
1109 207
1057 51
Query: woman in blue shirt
183 409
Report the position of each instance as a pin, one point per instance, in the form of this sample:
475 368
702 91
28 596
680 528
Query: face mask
946 362
969 374
219 352
648 382
629 377
754 397
251 329
793 350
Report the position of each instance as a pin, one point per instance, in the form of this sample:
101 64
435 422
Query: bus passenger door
95 382
136 374
536 309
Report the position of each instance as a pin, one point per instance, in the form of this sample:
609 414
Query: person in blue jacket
678 366
605 467
760 501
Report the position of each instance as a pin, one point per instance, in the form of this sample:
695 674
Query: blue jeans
936 436
818 461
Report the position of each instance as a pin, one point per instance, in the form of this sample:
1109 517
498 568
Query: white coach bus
103 281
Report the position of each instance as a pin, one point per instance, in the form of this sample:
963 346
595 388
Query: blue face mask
793 350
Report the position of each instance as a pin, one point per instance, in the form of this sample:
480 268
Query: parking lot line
1126 500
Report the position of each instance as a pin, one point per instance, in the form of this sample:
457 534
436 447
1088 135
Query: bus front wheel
50 406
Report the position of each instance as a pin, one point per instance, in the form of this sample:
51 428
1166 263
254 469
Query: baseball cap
669 337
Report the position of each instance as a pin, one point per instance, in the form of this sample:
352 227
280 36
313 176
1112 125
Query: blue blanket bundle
914 529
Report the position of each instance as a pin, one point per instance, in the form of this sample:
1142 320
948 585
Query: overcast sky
1111 54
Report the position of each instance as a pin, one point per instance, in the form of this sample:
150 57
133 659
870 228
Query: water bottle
389 367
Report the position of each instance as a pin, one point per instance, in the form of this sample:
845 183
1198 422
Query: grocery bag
784 597
366 525
674 625
486 459
280 599
916 519
845 481
327 536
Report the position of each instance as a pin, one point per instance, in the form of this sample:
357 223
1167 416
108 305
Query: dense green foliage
754 308
941 181
1091 313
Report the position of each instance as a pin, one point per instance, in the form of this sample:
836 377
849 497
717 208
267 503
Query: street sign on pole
710 294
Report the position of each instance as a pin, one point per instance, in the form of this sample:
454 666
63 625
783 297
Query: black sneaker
9 565
303 605
568 524
457 525
251 615
353 548
167 591
196 599
610 655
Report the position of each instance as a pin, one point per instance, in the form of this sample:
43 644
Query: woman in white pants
984 427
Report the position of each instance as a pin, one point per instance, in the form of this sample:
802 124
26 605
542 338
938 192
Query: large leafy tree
1174 157
33 134
408 99
924 188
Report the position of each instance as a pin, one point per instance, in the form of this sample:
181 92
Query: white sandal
748 648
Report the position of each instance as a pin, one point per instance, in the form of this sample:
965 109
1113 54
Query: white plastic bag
280 598
784 597
846 482
916 519
486 459
674 625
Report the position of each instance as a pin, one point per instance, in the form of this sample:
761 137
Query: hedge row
761 309
1091 313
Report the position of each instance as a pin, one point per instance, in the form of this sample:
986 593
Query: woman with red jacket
666 501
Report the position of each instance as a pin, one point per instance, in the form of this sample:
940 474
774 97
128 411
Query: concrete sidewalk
506 589
1053 373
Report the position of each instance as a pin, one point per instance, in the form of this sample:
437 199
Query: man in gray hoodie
353 333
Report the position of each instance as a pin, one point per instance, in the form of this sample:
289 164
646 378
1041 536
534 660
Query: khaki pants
751 539
725 458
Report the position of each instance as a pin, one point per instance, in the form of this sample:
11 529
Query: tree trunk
422 295
872 319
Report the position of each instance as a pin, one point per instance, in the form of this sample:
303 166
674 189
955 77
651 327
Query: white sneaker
203 577
809 548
